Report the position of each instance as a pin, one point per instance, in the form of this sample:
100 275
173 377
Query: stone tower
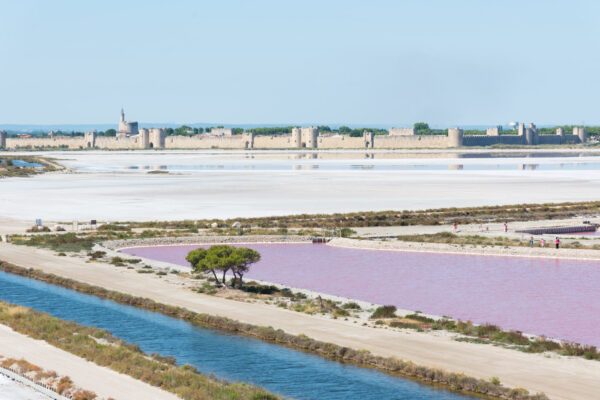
580 132
2 139
495 131
144 138
157 138
531 135
248 140
455 137
90 139
296 137
309 137
368 138
127 127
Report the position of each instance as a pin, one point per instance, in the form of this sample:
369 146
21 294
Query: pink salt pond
556 298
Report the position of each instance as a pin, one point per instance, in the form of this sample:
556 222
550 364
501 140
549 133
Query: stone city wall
410 142
221 132
69 142
481 140
402 131
299 138
570 139
114 143
273 142
340 142
203 142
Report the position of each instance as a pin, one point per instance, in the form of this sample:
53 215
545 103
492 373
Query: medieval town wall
410 142
66 142
117 143
156 138
273 142
340 142
203 142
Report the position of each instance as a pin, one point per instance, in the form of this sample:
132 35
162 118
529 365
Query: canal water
279 369
552 297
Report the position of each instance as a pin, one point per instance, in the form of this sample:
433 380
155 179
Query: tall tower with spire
126 128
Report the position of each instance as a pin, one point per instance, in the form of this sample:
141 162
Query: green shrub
384 312
351 306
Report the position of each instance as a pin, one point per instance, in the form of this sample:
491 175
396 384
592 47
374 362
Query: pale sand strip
104 382
536 252
559 377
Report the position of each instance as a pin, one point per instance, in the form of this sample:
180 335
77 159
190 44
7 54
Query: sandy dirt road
558 377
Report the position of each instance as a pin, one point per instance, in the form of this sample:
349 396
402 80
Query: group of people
543 242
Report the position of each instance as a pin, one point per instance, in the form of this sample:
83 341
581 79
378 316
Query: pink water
556 298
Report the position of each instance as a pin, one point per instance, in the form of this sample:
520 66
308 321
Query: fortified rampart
309 138
402 131
220 132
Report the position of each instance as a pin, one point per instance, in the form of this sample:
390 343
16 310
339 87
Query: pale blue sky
292 62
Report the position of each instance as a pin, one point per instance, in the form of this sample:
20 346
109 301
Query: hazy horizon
458 63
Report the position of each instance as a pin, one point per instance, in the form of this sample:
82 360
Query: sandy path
559 377
537 252
104 382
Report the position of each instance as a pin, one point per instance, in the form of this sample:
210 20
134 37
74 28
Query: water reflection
284 166
532 167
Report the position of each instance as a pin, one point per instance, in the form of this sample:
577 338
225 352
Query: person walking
557 242
531 242
454 227
505 227
542 242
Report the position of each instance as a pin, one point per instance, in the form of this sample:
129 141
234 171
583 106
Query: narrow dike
453 381
100 347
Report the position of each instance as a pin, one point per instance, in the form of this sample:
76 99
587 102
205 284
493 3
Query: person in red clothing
557 242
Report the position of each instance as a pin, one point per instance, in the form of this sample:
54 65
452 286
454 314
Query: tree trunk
241 276
224 283
234 279
216 279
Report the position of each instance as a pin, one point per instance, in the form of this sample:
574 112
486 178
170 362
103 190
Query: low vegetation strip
486 333
479 240
20 166
100 347
441 216
454 381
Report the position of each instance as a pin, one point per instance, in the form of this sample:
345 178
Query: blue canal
279 369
